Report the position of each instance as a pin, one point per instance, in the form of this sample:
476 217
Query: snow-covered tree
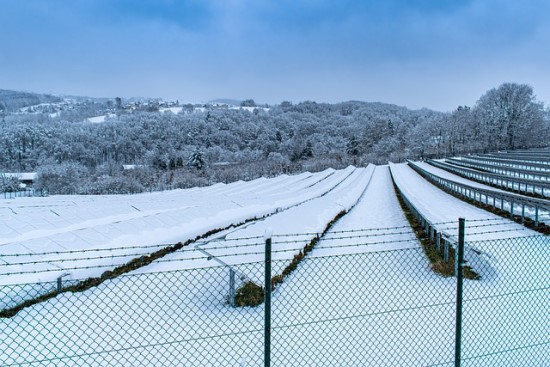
196 159
510 117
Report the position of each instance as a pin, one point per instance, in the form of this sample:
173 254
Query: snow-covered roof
21 176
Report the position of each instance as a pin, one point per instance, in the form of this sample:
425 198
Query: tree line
166 150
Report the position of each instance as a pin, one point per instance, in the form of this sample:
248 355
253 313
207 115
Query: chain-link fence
351 299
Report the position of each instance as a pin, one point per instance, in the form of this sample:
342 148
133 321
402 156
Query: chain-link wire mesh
357 298
381 308
506 315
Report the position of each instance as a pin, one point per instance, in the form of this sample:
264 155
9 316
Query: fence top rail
501 168
450 166
507 161
532 202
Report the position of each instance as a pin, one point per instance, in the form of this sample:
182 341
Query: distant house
25 178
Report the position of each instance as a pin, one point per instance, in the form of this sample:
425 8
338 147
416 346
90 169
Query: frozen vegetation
81 145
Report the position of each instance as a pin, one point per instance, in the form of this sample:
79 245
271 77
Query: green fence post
267 319
459 290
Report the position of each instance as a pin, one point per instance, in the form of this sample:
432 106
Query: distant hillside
11 101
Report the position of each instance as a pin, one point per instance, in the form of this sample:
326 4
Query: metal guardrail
496 199
524 156
512 163
513 172
441 238
522 185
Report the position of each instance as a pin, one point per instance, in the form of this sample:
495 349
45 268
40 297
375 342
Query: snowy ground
368 299
100 119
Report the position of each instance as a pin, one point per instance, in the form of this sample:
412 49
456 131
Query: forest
145 150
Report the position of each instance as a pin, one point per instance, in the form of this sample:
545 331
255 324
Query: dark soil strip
437 262
251 294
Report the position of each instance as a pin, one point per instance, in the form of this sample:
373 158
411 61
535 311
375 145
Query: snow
174 110
100 119
292 227
249 109
377 209
543 215
35 227
21 176
367 299
440 207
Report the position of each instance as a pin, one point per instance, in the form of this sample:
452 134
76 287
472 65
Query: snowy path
385 270
376 223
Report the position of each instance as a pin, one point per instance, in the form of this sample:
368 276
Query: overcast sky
417 53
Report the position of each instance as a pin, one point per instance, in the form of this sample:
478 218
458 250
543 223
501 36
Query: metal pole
267 326
231 287
459 290
60 282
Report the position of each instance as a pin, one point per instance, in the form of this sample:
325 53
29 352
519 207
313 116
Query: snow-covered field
100 119
41 234
365 296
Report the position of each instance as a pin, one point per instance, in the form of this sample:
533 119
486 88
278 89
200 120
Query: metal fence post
267 321
59 287
59 284
459 290
231 287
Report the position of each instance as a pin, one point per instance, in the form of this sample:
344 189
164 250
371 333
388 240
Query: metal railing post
267 320
59 287
231 287
459 290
